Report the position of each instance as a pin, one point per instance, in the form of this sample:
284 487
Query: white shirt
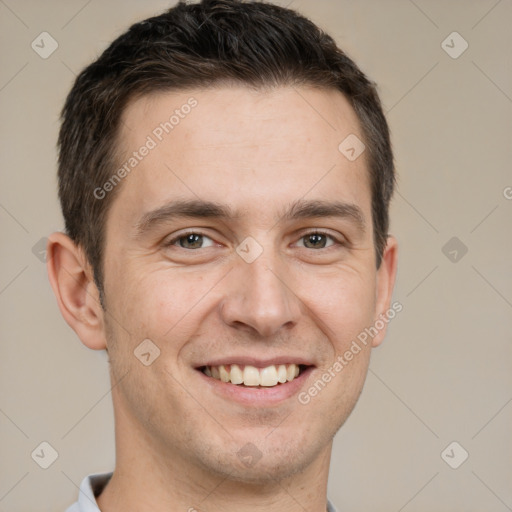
93 485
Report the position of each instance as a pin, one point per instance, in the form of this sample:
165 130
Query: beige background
444 371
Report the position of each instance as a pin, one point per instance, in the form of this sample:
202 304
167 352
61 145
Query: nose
259 297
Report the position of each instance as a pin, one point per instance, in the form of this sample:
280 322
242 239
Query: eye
317 240
191 240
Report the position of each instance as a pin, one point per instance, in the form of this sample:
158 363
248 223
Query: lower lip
257 396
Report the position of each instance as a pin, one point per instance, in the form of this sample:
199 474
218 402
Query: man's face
273 271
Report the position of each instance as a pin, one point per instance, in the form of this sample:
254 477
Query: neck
147 478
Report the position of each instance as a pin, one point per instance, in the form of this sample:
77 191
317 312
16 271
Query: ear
77 295
386 275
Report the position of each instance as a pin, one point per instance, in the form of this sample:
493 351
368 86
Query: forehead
251 149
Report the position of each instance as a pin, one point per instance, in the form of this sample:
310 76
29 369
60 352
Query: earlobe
76 292
386 275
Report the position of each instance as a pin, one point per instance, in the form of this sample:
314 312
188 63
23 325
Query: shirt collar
94 484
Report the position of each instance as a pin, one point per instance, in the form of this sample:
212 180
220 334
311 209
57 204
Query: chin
262 463
267 475
270 471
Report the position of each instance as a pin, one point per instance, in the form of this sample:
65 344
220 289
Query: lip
256 396
258 363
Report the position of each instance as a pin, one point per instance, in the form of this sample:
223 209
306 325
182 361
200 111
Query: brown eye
314 241
317 240
192 241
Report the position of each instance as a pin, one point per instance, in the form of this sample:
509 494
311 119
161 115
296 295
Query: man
225 174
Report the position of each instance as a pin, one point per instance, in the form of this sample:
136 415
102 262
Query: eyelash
174 240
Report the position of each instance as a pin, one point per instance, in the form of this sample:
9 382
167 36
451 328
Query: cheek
160 303
344 304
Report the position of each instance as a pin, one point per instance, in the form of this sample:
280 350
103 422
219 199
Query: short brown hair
201 45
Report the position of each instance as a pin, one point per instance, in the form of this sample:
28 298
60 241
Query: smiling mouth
251 376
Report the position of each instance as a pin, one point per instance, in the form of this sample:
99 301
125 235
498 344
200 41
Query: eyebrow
183 208
199 209
303 209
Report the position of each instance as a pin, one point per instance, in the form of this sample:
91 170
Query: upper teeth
252 376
